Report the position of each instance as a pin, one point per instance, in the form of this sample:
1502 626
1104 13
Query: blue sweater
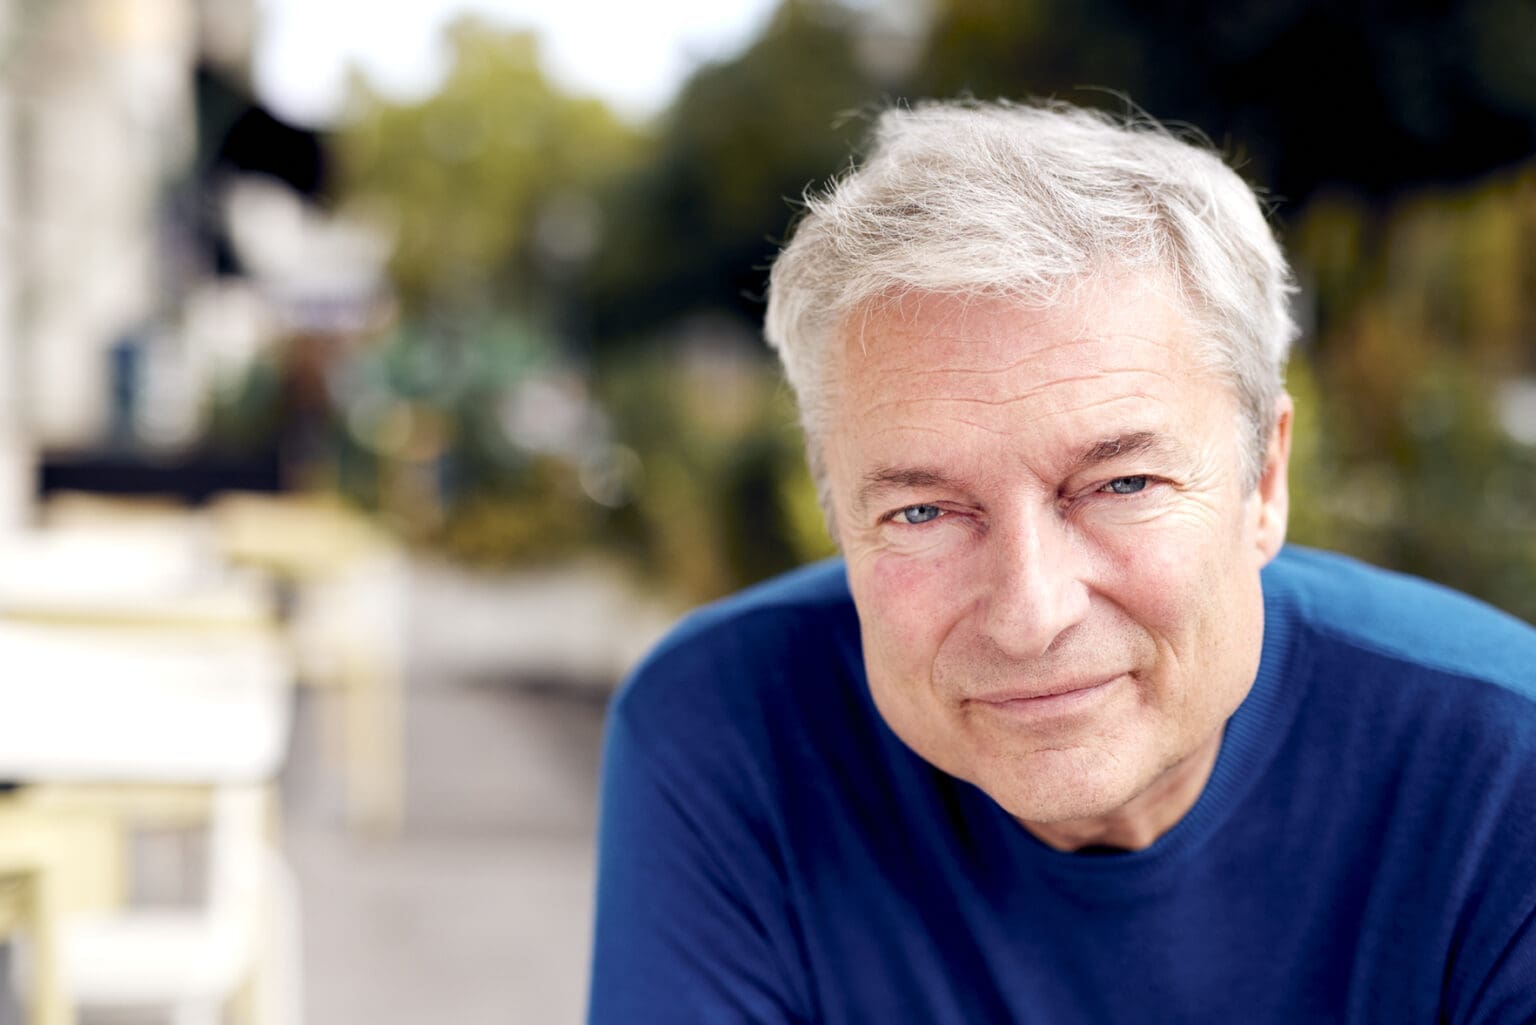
1365 850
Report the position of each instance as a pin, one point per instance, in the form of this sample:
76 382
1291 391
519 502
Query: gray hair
1032 202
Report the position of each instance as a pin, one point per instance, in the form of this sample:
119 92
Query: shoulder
809 591
1401 670
724 656
1401 619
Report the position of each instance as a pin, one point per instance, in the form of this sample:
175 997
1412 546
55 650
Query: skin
1053 553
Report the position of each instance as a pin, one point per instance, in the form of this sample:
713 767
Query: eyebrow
1134 443
893 478
896 478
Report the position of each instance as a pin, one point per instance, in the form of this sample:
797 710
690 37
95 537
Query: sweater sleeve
1508 995
692 924
1491 979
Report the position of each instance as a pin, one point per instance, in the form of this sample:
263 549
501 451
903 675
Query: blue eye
1125 485
915 514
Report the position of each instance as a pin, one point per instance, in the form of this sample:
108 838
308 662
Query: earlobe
1273 491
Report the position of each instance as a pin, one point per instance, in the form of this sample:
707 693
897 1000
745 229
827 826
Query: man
1065 736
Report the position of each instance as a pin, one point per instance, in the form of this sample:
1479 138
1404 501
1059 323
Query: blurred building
98 110
137 273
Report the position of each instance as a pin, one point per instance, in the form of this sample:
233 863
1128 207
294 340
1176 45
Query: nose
1036 590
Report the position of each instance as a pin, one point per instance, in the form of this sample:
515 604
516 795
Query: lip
1058 700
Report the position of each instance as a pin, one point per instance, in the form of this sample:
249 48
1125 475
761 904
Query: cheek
1153 571
1199 597
1187 538
1183 583
906 606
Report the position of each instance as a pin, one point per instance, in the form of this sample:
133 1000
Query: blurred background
377 381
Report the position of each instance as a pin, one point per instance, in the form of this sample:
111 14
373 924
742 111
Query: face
1053 552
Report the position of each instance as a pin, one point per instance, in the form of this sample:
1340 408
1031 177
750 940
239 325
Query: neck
1139 822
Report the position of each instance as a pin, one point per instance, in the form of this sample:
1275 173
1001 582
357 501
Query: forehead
978 391
1123 336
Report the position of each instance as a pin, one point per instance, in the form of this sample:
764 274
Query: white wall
103 105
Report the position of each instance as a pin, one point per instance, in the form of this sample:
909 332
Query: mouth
1054 700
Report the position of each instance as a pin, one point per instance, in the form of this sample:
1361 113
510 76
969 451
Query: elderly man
1065 736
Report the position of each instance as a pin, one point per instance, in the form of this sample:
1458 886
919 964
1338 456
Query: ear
1273 494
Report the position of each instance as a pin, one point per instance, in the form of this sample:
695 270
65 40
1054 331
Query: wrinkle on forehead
1002 369
1072 319
973 363
909 359
1004 402
904 371
1043 386
917 429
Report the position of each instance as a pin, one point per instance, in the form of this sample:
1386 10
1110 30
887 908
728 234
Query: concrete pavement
479 911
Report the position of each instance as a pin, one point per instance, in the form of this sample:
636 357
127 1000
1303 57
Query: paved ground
479 910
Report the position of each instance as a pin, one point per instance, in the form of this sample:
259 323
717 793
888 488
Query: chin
1058 786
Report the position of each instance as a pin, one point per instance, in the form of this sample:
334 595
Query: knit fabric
1364 851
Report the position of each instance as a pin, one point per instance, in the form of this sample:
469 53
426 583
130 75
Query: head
1038 353
1032 203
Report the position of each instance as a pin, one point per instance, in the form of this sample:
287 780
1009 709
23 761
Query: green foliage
697 225
489 184
724 498
540 517
1313 93
514 204
1002 48
475 180
1400 454
419 427
244 412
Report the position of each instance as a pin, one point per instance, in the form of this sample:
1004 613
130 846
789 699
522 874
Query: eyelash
1146 481
896 517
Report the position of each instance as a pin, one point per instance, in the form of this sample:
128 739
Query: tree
488 184
695 228
1316 92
